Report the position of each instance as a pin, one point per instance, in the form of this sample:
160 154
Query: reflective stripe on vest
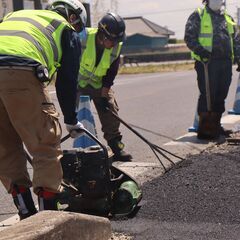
37 36
205 37
89 73
27 37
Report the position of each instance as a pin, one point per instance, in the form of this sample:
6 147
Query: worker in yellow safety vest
35 44
98 68
212 36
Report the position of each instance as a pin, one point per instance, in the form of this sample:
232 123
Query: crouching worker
34 44
98 68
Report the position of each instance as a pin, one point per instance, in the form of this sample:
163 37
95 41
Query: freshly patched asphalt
197 200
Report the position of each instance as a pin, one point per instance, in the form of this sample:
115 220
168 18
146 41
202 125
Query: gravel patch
120 236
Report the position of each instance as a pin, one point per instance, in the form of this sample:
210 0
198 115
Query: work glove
105 92
205 55
75 130
104 104
238 67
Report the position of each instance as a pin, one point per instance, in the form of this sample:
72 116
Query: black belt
25 68
41 72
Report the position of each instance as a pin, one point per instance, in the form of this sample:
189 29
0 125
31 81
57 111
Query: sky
172 14
167 13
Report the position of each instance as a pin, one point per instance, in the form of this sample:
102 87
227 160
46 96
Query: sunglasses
106 38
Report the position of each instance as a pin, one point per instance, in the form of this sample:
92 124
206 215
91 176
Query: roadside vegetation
153 68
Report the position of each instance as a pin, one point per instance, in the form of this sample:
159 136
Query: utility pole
238 16
100 7
98 10
4 8
114 6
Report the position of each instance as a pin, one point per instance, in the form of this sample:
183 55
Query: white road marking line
8 222
230 119
190 138
135 169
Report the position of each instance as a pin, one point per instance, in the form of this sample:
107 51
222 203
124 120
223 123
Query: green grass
156 68
152 69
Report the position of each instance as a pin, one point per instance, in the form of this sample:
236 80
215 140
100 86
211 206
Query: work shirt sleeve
66 81
192 30
108 79
236 45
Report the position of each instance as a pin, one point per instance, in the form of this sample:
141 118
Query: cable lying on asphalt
155 148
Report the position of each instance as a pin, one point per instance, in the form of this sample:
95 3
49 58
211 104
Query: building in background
144 36
148 42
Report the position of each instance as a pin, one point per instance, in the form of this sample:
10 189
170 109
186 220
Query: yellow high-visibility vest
205 37
34 34
89 74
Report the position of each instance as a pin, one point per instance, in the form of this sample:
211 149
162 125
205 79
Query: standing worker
98 68
34 44
212 37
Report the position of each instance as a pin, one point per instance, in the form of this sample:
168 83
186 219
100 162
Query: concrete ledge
56 225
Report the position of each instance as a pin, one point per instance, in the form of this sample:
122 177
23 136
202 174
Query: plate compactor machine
94 185
98 187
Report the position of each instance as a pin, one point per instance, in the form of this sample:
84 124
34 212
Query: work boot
203 132
216 124
48 200
117 147
22 198
209 125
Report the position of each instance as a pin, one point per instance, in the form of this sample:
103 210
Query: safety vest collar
206 31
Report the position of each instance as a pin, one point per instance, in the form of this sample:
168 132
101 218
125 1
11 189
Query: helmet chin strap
100 41
68 16
66 10
76 21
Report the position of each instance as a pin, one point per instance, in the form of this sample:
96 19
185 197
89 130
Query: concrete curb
57 225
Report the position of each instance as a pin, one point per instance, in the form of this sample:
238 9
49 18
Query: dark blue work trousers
220 76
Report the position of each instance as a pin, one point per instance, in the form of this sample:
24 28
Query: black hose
153 147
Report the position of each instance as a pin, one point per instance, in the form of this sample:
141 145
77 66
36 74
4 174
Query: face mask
83 34
215 5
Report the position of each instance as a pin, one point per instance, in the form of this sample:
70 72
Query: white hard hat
75 5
